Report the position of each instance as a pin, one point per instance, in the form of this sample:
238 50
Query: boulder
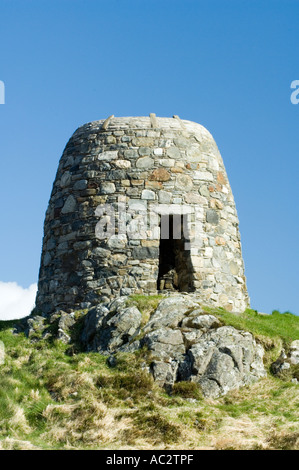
225 359
108 329
165 373
92 325
170 312
201 322
165 344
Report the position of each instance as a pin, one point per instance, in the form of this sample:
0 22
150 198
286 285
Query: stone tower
140 205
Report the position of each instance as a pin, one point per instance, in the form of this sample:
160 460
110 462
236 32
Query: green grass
146 304
51 398
272 331
186 390
277 325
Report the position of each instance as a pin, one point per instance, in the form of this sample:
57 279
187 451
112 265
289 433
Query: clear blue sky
225 64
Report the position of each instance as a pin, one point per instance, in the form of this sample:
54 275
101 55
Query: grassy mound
54 398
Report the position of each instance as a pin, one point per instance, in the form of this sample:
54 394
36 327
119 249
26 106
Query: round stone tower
141 205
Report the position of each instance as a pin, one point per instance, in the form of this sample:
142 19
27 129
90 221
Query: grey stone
145 162
117 241
65 179
145 151
101 252
63 336
286 360
148 194
66 320
47 259
107 330
131 153
165 373
234 268
184 182
165 344
170 312
109 155
191 337
225 359
81 184
70 205
165 197
174 152
108 188
202 322
145 253
203 190
212 217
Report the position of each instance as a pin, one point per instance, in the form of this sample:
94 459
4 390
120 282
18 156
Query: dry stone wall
119 184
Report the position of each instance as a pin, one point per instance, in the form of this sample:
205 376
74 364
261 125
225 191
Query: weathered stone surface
191 336
145 253
184 182
173 152
148 194
212 217
165 343
107 188
165 373
165 197
107 329
109 178
65 179
109 155
170 312
225 359
183 341
81 184
145 162
70 205
159 175
281 364
117 241
202 322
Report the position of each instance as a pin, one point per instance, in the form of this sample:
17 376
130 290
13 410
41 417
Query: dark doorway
174 260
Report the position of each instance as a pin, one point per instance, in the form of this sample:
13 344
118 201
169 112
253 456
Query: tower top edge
143 122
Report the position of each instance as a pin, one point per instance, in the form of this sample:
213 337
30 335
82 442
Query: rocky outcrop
184 341
106 331
224 359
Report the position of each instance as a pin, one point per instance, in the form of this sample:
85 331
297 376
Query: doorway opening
175 272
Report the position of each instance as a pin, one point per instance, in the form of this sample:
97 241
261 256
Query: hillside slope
53 396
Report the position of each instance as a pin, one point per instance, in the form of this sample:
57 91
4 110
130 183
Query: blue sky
226 64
